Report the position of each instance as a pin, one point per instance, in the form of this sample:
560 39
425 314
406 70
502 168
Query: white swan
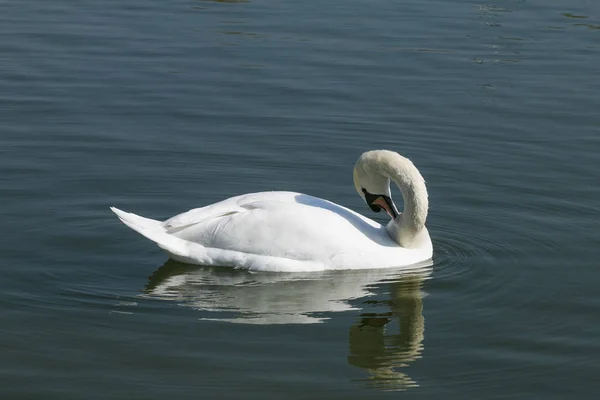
285 231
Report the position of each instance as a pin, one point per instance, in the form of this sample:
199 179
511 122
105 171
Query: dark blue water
162 106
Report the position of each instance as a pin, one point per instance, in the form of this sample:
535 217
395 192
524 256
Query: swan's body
285 231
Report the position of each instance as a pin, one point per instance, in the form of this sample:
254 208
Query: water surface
158 107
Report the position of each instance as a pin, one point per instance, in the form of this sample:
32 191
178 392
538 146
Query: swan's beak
377 202
387 204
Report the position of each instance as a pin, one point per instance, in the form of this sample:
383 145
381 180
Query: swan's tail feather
154 230
136 222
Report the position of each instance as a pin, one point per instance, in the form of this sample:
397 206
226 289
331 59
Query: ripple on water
470 266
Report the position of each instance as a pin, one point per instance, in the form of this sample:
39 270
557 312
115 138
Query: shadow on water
386 337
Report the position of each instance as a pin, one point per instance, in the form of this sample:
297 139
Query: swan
294 232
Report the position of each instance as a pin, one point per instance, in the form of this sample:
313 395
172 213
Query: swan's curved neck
407 226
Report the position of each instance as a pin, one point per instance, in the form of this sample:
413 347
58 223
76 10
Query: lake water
161 106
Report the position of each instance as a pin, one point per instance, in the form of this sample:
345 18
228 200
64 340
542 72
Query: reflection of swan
258 298
381 353
284 231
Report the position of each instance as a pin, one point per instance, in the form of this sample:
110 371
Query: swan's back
299 227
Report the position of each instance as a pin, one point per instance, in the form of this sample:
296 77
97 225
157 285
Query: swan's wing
290 230
199 215
223 208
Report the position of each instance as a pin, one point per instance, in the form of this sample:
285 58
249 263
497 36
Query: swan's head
372 184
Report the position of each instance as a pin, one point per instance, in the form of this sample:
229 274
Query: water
158 107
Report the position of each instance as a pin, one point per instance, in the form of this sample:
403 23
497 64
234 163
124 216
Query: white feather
286 231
